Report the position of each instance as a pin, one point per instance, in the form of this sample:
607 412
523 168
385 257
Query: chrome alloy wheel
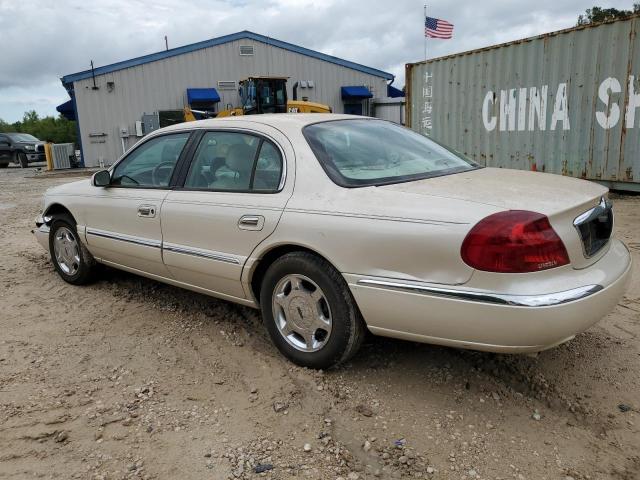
66 251
301 313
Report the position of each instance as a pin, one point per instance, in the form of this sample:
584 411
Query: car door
5 149
233 196
123 219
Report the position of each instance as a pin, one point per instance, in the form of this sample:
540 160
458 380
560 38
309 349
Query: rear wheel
71 259
309 311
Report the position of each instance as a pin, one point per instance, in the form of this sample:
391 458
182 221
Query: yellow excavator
263 95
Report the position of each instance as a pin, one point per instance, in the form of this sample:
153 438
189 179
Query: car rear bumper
493 321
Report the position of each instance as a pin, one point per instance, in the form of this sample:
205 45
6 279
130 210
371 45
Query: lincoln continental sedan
334 225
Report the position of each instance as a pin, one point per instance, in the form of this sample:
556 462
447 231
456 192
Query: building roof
67 80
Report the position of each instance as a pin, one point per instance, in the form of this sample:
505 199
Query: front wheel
22 160
70 257
309 311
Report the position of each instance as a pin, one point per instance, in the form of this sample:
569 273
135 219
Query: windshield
357 153
22 137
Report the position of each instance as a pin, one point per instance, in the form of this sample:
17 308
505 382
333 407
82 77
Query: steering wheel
155 173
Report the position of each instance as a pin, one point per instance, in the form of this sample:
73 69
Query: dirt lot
128 378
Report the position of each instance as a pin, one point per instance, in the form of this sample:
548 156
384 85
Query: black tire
348 329
22 160
4 165
86 266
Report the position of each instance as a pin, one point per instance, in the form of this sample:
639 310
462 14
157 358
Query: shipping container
566 102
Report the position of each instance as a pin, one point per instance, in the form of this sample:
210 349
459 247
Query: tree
599 14
51 129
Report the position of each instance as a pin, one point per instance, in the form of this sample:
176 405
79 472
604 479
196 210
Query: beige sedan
333 225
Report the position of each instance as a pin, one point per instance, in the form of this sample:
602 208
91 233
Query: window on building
246 49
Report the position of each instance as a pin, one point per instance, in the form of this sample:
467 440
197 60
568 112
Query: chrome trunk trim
544 300
603 208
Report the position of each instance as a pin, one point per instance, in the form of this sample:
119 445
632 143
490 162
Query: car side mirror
101 179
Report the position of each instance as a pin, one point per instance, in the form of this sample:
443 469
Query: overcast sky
42 40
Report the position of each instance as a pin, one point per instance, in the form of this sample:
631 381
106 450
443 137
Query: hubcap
301 313
66 251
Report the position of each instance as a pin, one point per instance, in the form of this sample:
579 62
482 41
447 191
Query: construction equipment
189 114
263 95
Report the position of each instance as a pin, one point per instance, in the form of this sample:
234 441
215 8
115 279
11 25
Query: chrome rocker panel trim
544 300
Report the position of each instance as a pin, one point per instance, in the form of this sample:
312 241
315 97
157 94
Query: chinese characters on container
427 105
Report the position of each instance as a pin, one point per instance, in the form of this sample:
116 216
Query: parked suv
21 149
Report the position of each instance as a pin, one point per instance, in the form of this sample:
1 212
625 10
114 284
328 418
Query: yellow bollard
48 155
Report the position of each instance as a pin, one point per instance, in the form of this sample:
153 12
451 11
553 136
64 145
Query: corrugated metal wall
391 109
567 103
161 85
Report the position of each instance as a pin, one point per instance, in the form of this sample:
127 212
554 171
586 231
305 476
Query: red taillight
516 241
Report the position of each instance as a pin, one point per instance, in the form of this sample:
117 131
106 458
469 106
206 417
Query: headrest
240 158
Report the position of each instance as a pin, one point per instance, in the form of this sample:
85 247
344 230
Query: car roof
277 120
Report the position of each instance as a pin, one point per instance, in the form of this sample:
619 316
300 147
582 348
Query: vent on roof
226 84
246 49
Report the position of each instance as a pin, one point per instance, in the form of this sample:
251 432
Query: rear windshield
361 152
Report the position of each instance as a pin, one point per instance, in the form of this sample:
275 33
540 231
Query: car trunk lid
561 199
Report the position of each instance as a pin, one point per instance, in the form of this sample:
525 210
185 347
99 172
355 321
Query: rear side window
235 162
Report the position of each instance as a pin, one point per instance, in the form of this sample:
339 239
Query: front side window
357 153
151 164
232 161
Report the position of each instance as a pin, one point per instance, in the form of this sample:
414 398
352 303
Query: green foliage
56 130
599 14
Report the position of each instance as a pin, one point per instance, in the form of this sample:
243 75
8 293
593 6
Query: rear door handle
148 211
251 222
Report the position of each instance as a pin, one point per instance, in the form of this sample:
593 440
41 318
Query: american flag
436 28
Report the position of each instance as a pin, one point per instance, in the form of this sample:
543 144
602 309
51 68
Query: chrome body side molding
171 247
197 252
543 300
147 242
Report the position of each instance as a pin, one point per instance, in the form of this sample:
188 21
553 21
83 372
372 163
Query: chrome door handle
251 222
148 211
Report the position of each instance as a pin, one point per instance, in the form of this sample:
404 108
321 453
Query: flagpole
424 20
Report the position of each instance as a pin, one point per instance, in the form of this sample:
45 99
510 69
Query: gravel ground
129 378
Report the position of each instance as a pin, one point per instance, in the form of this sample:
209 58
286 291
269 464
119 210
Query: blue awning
202 95
67 110
393 92
357 92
